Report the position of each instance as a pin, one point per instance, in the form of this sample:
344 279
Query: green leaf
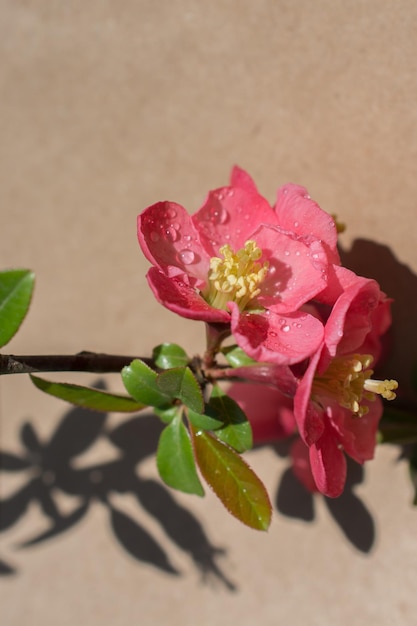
140 381
175 459
166 414
16 287
209 421
232 480
169 355
89 398
236 357
237 431
398 426
179 382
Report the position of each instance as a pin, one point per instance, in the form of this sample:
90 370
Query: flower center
348 381
236 277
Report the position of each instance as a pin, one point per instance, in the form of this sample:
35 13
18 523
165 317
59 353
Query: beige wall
107 107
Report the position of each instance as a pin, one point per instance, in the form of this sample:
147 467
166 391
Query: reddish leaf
232 480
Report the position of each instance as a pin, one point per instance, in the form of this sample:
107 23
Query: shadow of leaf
12 463
138 437
75 433
30 439
12 508
6 569
61 525
138 542
182 527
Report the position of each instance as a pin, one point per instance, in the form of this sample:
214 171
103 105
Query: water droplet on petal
285 328
186 256
222 215
171 213
287 253
171 234
176 226
216 214
154 236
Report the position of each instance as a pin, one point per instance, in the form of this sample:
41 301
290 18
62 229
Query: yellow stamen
382 387
236 277
348 381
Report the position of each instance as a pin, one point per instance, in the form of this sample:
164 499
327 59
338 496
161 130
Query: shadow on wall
49 466
348 511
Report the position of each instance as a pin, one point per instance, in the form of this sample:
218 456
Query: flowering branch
305 328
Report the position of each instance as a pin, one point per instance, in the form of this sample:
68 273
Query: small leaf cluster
208 435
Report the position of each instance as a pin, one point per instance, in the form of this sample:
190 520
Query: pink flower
336 405
269 411
241 262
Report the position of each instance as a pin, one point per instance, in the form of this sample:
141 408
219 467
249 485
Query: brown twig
93 362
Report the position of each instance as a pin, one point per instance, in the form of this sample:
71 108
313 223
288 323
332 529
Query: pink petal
275 338
280 377
328 465
269 411
229 216
339 278
240 178
310 420
358 434
183 299
374 343
301 465
294 276
167 237
351 318
299 214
